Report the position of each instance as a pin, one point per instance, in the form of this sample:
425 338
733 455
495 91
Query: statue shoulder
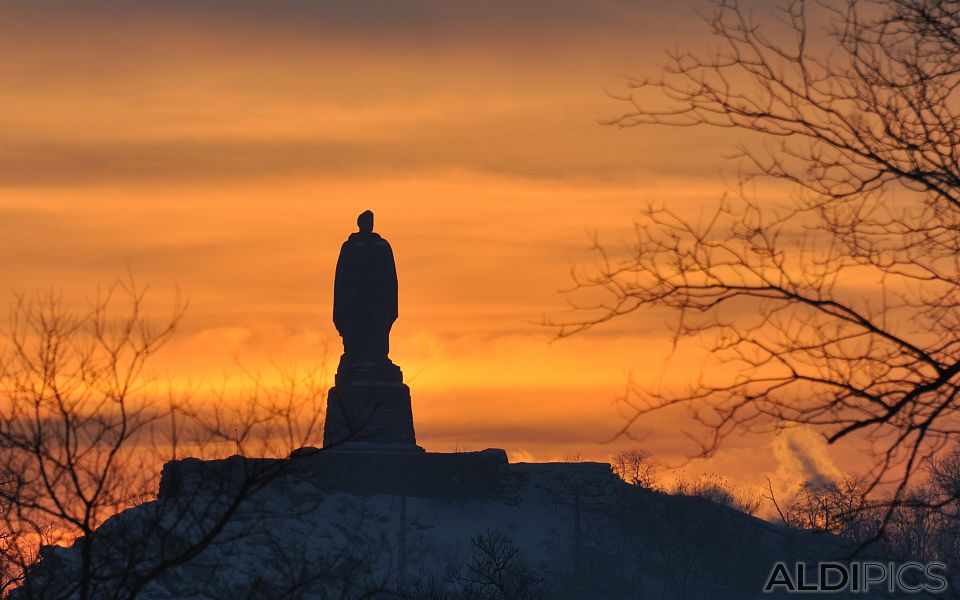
358 238
365 240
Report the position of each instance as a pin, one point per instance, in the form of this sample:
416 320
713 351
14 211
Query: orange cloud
225 151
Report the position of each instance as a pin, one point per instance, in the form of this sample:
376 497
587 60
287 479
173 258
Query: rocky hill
329 524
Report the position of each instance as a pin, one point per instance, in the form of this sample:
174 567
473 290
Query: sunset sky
225 149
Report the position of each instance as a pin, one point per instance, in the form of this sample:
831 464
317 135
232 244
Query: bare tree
84 429
926 526
840 308
269 414
944 507
637 467
717 489
840 507
74 395
497 571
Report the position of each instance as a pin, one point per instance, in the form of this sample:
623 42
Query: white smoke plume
802 455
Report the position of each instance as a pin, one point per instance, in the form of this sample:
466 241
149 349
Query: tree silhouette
74 396
839 308
84 429
838 507
637 467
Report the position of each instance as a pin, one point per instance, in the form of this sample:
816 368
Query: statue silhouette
368 408
365 305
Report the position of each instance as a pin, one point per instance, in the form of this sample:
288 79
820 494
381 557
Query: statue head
365 221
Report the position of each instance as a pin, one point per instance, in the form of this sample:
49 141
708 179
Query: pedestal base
370 416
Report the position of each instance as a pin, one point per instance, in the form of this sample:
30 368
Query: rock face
369 407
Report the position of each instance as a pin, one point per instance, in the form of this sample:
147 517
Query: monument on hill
369 406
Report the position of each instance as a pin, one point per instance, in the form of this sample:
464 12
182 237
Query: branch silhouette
840 308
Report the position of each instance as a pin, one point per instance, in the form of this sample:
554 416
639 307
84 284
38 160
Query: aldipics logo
858 577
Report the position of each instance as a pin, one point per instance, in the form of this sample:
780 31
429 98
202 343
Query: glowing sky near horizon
225 149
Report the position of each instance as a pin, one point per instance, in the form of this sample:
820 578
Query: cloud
223 336
227 146
803 455
372 21
187 92
433 148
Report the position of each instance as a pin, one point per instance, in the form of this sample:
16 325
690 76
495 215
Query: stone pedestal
370 416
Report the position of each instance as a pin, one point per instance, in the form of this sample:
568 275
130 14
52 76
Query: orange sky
226 148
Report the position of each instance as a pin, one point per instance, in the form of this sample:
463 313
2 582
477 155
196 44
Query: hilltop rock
365 524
